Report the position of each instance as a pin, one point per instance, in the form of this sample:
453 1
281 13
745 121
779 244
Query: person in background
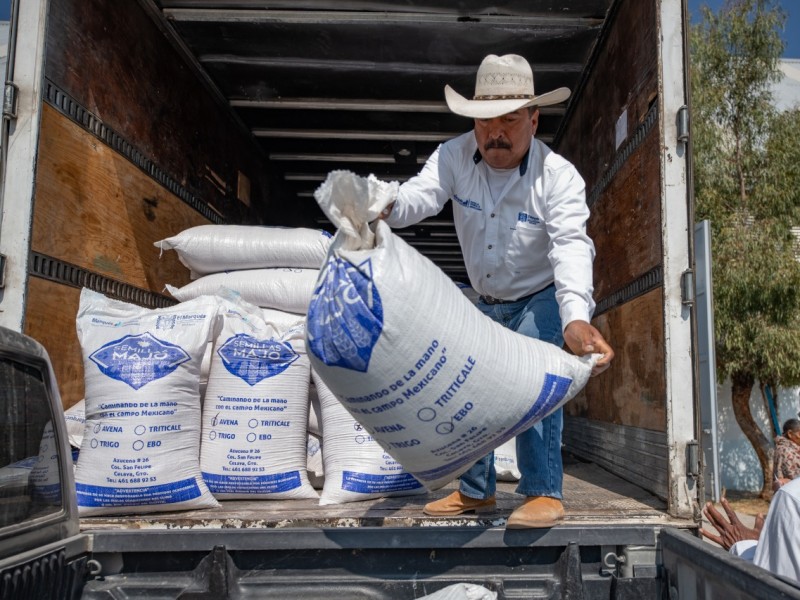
773 542
520 215
732 534
786 461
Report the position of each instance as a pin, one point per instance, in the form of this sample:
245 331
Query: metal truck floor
592 497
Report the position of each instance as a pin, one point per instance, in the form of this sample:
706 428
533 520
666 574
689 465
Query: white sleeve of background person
434 381
141 444
75 417
778 549
282 289
745 549
255 413
209 249
356 466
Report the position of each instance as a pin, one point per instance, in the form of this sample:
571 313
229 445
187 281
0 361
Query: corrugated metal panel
637 455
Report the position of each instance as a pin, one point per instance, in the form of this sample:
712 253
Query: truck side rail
696 570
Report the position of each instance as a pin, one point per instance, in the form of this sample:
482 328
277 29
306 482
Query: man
520 214
772 543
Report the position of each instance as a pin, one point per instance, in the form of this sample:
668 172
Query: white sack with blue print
140 451
75 416
434 381
255 414
207 249
284 289
356 466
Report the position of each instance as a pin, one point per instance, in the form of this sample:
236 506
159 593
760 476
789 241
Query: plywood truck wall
132 149
614 135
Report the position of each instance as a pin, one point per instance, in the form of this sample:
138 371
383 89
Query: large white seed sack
505 456
505 461
356 467
432 379
141 445
209 249
469 292
255 413
282 289
75 416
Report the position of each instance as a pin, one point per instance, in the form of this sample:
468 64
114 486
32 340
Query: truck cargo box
130 121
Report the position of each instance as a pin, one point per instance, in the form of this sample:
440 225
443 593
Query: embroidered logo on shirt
526 218
467 203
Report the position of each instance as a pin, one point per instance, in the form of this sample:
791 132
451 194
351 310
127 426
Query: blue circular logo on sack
138 359
345 315
254 360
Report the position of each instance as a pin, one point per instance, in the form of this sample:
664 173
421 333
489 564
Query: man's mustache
502 144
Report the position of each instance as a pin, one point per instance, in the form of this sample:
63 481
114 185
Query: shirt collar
523 166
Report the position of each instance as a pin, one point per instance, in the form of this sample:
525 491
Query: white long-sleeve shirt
778 548
532 236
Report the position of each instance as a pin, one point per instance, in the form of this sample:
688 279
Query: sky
791 35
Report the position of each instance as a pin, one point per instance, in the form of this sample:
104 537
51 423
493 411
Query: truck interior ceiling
359 85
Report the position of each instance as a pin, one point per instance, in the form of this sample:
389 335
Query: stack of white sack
141 441
432 379
270 267
356 467
208 249
255 413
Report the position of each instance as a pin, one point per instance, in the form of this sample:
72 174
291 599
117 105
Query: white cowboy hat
504 84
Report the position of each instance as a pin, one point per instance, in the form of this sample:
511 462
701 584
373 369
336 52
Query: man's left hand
583 338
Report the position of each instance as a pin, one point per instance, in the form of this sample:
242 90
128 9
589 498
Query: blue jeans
539 447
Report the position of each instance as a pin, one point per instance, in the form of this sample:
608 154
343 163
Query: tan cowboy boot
536 512
457 503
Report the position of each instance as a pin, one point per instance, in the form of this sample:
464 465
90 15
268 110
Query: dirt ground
748 503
